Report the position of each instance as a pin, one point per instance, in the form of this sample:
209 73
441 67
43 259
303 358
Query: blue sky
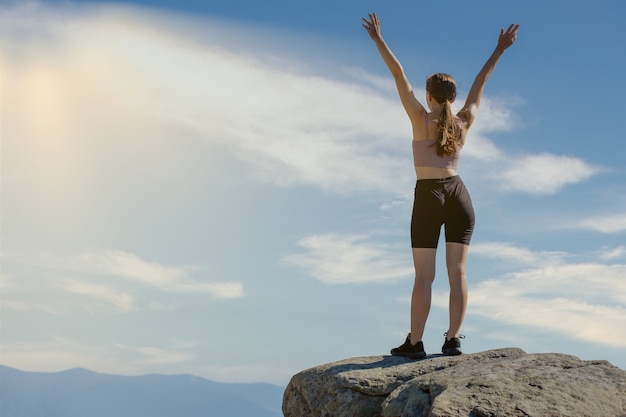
224 188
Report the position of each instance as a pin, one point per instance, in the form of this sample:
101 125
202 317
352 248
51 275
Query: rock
495 383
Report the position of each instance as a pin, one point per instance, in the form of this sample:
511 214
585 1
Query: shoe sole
420 355
452 352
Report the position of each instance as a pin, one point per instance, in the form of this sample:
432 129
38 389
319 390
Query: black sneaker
452 347
410 351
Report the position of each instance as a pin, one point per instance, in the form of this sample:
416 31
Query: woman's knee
424 277
457 270
456 260
424 263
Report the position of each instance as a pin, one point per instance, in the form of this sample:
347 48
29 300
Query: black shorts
441 201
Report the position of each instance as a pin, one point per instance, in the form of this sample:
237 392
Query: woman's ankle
414 341
449 335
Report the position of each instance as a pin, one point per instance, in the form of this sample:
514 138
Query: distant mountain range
83 393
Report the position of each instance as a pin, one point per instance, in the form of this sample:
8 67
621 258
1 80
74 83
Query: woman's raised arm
506 39
413 107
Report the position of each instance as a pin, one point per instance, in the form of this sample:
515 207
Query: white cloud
576 318
60 353
290 124
165 278
151 355
93 279
586 301
350 259
495 116
615 253
503 250
122 301
544 173
615 223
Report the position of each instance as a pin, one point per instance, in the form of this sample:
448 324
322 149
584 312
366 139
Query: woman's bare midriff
427 173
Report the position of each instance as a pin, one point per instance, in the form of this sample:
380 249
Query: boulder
495 383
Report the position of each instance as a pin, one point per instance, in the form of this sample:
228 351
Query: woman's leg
456 260
424 262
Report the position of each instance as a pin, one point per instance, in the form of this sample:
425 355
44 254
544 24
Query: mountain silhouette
80 392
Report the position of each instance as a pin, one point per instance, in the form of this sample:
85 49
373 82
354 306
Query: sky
225 188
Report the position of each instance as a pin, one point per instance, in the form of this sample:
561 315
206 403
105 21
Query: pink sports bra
425 154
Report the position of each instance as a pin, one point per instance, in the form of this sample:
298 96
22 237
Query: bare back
427 130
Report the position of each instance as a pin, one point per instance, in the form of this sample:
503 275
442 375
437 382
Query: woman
440 195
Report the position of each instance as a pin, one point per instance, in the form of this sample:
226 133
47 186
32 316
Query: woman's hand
507 37
372 26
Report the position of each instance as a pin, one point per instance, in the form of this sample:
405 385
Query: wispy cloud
291 124
495 116
614 253
545 173
515 255
614 223
152 355
350 259
60 353
166 278
97 278
586 301
121 301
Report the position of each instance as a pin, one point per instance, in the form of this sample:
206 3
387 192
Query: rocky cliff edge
495 383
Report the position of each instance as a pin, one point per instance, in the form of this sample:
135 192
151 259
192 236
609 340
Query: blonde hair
442 88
